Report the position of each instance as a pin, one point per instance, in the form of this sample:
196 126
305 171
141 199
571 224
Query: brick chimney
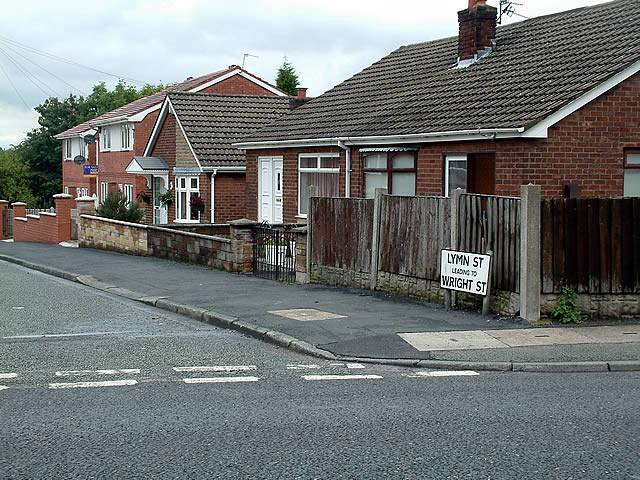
302 92
477 29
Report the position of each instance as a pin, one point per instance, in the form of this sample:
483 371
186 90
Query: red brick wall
47 228
230 197
237 85
586 148
72 176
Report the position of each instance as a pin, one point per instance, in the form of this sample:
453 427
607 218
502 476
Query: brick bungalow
554 100
125 131
190 154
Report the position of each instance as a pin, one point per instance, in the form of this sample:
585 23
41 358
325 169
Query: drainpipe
347 173
213 195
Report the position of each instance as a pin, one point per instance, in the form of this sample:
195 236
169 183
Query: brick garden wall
113 235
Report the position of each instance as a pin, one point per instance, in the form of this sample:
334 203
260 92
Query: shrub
566 309
117 207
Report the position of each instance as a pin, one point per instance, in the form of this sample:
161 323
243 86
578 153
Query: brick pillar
64 204
85 206
4 208
19 209
302 276
242 244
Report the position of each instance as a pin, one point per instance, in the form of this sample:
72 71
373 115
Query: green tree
41 152
14 178
287 79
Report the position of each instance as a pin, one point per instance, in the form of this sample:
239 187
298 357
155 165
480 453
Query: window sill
186 221
302 216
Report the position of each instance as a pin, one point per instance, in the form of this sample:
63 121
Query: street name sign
465 272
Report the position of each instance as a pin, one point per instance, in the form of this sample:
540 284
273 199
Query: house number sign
465 272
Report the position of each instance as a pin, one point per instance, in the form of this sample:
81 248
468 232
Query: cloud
169 40
15 122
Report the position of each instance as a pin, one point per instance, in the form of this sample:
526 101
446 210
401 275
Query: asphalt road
275 414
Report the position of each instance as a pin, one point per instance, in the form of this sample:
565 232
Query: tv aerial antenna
508 9
245 56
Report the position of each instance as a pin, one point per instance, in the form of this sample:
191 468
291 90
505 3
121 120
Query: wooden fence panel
342 233
493 223
413 231
591 245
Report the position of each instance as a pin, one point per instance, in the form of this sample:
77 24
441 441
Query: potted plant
166 198
144 197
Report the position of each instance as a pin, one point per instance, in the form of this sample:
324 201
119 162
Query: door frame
271 160
165 178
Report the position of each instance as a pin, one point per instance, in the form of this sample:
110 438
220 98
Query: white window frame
447 160
68 149
126 137
189 191
66 190
317 169
128 192
104 191
105 135
84 192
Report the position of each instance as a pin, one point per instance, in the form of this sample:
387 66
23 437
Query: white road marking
302 367
215 368
444 373
113 383
341 377
354 365
2 387
220 380
7 376
81 373
65 335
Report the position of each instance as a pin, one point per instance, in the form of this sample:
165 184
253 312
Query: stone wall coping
18 204
243 222
188 234
35 217
4 201
116 222
304 229
21 219
47 214
85 199
62 196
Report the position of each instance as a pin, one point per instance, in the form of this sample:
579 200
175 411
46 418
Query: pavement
339 324
94 385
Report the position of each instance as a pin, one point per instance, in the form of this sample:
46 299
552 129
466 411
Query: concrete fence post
4 218
313 192
530 252
375 243
450 298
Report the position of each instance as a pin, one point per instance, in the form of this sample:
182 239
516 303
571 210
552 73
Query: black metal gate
274 253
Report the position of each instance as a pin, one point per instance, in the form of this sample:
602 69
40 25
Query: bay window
187 190
394 171
320 170
632 173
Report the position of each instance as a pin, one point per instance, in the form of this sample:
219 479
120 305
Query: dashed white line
220 380
340 377
113 383
8 376
82 373
354 366
444 373
3 387
216 368
65 335
302 367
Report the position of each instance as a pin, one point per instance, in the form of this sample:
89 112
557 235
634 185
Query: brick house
554 100
125 131
78 145
190 154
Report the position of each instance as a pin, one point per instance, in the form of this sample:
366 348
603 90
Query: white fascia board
184 133
463 135
540 130
224 169
109 121
138 117
61 136
156 128
134 167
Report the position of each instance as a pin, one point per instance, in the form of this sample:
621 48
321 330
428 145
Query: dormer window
106 138
125 136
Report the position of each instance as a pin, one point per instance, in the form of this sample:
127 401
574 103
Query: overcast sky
168 40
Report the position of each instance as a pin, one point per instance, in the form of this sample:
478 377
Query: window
66 190
68 149
186 189
128 193
84 192
104 191
106 138
321 171
393 171
125 136
455 173
632 173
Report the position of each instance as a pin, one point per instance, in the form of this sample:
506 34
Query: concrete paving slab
613 334
434 341
306 314
531 337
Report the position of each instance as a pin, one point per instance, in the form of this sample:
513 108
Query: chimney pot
302 92
474 3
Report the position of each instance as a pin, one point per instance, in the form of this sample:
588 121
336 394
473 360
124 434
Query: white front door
270 189
160 214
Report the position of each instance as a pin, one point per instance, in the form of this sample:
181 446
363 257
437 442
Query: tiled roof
539 65
74 131
213 122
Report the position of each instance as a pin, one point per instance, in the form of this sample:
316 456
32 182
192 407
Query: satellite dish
79 160
89 139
